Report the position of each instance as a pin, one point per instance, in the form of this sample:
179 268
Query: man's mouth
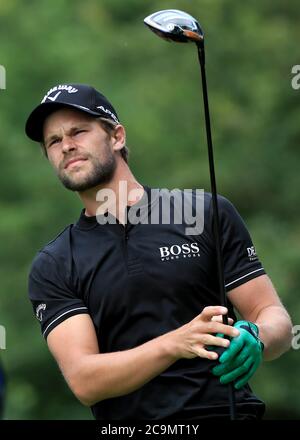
75 160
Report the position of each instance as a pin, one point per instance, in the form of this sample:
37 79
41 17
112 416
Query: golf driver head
175 25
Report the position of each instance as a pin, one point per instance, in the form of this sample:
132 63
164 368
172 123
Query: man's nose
68 144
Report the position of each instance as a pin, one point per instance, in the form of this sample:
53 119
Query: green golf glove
243 356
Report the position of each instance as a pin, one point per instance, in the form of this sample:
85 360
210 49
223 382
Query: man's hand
241 359
194 338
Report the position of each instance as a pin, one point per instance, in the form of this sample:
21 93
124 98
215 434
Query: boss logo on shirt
252 253
39 311
186 250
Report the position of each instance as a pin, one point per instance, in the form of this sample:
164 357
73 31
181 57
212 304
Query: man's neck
123 190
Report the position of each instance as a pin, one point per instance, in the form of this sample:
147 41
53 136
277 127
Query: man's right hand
94 376
192 339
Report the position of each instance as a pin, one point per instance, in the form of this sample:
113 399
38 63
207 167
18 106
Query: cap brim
35 122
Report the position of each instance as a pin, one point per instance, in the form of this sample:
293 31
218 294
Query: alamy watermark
296 79
2 78
156 206
296 339
2 338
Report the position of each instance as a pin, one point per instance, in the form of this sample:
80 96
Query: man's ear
119 138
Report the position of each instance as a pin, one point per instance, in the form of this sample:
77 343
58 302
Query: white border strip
69 311
238 279
2 78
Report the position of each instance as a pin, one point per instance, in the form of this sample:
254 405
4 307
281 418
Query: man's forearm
94 376
106 375
97 376
275 331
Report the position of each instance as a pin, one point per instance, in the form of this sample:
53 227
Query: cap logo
105 110
54 97
67 88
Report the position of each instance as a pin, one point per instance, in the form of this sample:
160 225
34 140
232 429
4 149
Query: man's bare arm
258 302
95 376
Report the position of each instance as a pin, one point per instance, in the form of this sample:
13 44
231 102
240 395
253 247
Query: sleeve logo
39 311
252 253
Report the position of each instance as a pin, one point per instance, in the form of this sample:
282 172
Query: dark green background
154 85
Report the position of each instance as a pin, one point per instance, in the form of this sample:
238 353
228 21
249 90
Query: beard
100 174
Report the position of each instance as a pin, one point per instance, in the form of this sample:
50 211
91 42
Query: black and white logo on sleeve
252 253
39 311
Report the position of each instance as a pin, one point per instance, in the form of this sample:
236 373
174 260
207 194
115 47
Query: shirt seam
68 311
244 276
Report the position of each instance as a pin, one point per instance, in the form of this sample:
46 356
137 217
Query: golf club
180 27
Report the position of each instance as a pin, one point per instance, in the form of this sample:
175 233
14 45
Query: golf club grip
216 222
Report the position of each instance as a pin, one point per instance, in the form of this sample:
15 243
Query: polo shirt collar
88 222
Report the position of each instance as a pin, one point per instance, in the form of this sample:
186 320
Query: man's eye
79 131
54 141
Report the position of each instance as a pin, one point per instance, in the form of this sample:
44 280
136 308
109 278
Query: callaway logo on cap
78 96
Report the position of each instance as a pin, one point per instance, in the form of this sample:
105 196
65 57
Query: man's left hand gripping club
241 359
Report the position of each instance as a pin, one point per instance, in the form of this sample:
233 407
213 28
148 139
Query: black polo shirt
139 281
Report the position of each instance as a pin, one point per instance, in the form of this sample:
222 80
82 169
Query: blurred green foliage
155 86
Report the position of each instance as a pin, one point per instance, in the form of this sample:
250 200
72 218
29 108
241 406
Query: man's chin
84 180
81 185
77 186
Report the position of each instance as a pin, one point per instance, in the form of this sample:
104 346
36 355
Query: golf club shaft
216 222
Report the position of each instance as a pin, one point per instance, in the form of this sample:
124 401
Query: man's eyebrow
75 127
79 125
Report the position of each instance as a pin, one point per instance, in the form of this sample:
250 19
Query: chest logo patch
176 251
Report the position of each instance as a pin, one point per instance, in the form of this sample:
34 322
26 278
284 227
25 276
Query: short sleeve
51 294
241 263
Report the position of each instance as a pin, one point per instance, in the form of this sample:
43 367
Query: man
130 310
